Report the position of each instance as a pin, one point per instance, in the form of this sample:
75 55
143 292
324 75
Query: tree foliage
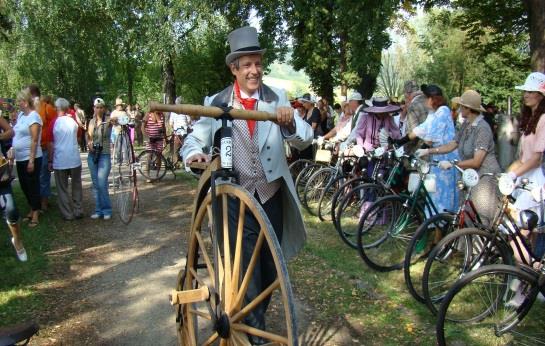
506 22
340 41
440 52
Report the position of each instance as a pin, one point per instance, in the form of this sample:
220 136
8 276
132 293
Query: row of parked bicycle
481 279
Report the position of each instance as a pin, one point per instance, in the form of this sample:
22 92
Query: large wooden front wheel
220 320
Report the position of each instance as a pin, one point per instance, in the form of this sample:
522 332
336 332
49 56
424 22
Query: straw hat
470 99
119 102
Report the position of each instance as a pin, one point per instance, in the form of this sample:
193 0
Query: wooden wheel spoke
226 253
205 255
211 339
249 272
197 277
200 314
230 273
257 300
237 262
258 332
219 287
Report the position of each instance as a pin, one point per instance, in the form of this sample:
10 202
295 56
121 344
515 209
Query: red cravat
247 103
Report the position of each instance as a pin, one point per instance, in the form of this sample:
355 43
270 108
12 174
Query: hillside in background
284 76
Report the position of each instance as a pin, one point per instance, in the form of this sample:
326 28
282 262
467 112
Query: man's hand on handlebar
199 157
284 118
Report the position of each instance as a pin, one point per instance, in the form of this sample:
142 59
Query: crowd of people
44 137
427 125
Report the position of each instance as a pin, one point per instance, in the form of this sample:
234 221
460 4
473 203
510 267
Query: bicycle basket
429 182
323 156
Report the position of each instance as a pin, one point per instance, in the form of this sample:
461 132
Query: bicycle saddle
13 334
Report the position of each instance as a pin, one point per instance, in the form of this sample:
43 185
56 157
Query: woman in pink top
532 146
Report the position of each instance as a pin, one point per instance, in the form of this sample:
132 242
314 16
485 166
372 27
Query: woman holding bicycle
532 145
438 130
476 147
98 143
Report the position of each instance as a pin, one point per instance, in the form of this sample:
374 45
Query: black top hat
243 41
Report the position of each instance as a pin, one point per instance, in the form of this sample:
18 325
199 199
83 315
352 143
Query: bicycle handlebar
211 112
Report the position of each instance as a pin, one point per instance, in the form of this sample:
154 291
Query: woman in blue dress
437 130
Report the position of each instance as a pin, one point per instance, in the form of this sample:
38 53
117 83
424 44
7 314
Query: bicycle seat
13 334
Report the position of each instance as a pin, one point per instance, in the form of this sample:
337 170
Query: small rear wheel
152 165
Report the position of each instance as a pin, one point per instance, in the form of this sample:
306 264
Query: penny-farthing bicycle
210 298
124 166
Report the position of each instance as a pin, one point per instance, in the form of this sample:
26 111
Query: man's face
249 73
353 105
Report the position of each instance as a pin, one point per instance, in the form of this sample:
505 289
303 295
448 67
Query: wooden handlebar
210 111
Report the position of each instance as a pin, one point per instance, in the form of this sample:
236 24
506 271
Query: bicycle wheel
314 188
426 236
494 305
384 232
152 165
302 178
326 199
297 166
341 192
220 320
456 255
124 178
352 207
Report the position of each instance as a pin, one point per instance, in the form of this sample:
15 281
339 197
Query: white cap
356 96
98 102
534 82
178 100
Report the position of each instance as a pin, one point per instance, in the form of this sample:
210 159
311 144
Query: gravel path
109 283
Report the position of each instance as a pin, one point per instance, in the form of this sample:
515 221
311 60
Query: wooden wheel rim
232 302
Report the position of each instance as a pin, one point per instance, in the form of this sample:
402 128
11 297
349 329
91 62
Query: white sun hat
534 82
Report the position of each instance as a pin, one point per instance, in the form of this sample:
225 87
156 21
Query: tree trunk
130 83
169 86
536 18
343 63
367 85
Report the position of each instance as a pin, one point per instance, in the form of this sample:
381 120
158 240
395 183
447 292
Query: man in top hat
258 157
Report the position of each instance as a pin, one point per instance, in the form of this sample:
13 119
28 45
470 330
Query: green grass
331 278
20 284
335 281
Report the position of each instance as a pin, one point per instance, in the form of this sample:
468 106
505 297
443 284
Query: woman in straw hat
475 144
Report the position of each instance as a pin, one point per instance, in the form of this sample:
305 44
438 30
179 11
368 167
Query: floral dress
439 129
